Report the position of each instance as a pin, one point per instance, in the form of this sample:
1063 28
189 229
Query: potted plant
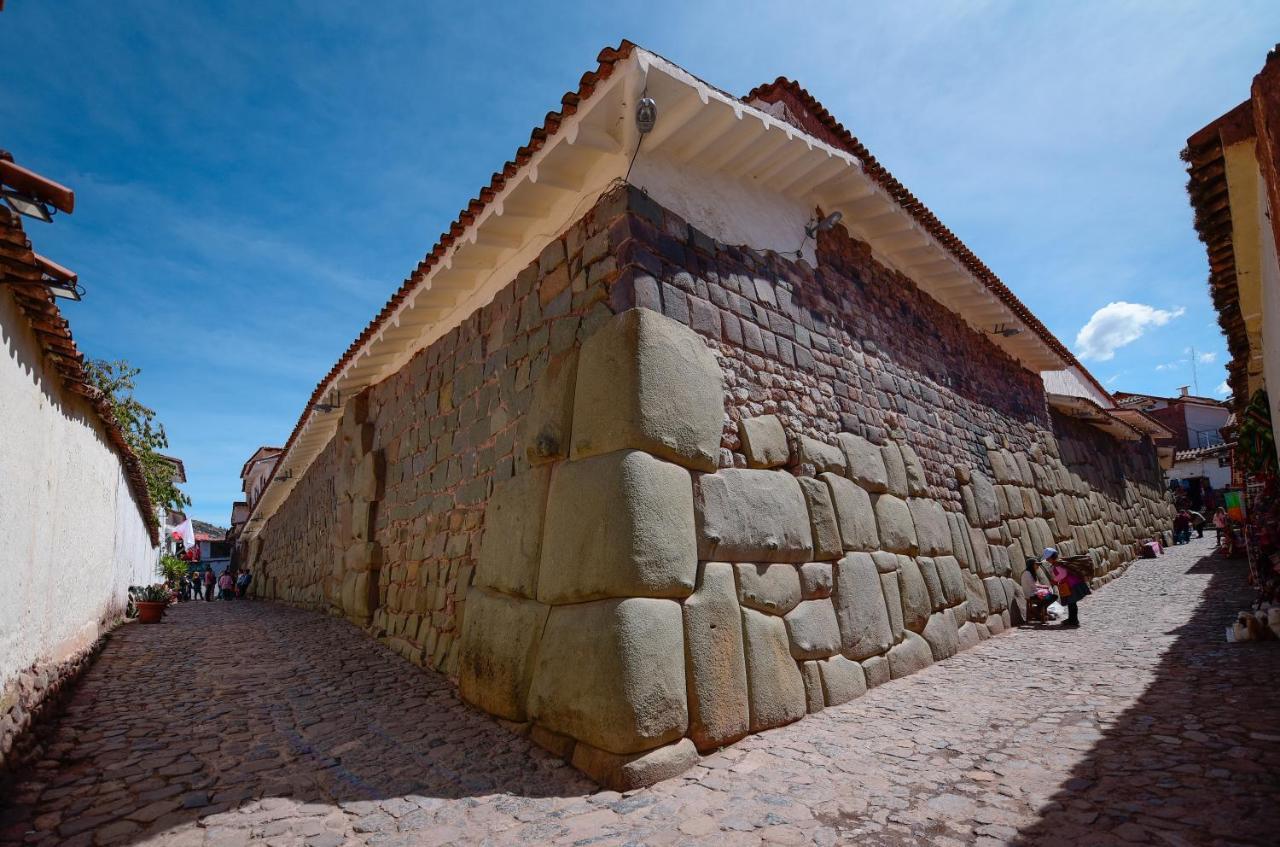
151 603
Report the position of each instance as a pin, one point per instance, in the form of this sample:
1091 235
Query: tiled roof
18 261
839 136
607 59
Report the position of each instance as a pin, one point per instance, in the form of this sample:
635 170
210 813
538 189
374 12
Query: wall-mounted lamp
1005 330
816 226
646 115
26 204
57 280
335 402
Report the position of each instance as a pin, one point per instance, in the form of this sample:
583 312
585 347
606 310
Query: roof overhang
582 152
1084 409
1143 423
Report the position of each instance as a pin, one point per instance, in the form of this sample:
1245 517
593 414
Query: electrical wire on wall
646 117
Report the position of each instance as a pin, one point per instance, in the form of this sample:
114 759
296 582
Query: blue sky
253 179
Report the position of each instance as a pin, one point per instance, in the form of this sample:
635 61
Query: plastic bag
1056 611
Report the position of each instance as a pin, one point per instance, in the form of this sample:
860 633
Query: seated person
1039 594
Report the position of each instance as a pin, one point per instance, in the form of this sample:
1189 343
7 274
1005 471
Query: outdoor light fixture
1006 330
25 204
646 115
334 403
54 278
814 227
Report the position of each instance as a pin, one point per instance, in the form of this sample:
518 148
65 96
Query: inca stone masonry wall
662 493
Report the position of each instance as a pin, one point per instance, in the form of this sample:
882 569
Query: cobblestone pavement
289 728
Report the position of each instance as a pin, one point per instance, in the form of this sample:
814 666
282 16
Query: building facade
1233 165
707 459
79 526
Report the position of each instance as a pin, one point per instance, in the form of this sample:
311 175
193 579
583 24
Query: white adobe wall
1270 263
71 537
1219 477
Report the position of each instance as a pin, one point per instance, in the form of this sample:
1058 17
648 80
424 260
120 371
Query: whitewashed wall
71 537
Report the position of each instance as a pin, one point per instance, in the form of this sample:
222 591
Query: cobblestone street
286 727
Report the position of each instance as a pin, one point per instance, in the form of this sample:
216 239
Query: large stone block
860 608
360 595
648 383
770 588
854 514
952 579
774 684
893 604
929 570
877 671
716 667
636 770
547 424
500 637
976 596
912 655
618 525
942 636
984 497
611 673
917 484
932 532
897 529
511 543
764 441
822 518
823 456
812 676
812 630
752 516
865 462
916 604
895 470
842 680
369 475
816 580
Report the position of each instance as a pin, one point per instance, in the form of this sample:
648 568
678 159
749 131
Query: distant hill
215 533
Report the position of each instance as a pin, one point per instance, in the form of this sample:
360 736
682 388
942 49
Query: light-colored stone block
368 477
511 543
752 516
637 770
646 382
893 604
895 470
774 684
952 578
886 562
914 593
500 637
816 580
967 634
842 680
823 456
865 462
611 673
932 532
822 518
984 498
994 589
912 655
897 529
877 671
941 634
854 514
764 441
717 669
929 570
547 424
814 700
618 525
770 588
812 630
976 596
860 607
917 484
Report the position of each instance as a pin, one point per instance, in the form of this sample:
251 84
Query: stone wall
685 492
383 527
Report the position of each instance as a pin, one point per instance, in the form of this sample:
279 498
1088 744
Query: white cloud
1223 389
1207 358
1168 366
1117 324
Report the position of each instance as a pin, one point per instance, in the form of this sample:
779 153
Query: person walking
208 584
1220 524
227 584
1181 527
1071 584
242 583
